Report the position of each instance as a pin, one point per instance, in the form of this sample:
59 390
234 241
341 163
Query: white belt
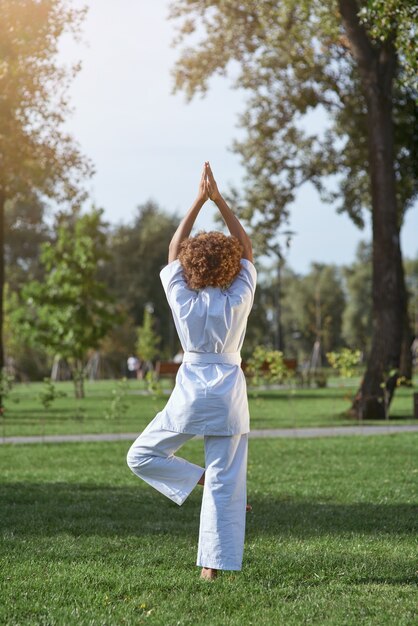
228 358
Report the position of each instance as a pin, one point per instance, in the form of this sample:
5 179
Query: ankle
208 573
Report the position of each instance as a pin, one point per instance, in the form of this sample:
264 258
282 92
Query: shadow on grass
288 395
48 509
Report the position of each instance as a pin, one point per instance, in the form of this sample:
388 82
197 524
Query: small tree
71 311
147 345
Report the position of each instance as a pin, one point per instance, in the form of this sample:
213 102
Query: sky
147 143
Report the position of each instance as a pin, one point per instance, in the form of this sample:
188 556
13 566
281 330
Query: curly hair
210 259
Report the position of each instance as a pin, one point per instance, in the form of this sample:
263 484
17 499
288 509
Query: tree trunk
377 66
388 293
77 372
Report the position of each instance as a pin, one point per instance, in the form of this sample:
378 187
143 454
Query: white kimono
210 395
210 399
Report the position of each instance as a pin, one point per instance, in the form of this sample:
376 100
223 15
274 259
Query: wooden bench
291 364
166 369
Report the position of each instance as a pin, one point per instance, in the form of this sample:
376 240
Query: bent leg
151 457
222 519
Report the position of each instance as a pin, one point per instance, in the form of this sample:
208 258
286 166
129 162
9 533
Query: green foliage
345 362
147 345
49 393
312 308
118 404
139 251
118 343
267 367
70 311
357 319
39 158
6 386
24 360
411 279
260 322
395 19
25 232
296 65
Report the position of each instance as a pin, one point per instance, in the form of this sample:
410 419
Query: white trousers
222 518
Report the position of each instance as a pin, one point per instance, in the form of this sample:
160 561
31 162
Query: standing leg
222 519
151 457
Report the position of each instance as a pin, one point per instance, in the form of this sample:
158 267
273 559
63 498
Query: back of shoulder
174 283
244 284
248 269
170 274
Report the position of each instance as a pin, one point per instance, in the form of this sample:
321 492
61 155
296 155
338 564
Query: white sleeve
174 283
244 284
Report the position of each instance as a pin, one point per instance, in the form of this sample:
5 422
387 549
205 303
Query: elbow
173 250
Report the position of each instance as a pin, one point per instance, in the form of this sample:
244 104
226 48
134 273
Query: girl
209 282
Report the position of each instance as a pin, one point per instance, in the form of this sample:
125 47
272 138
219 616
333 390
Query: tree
139 252
38 159
298 59
25 231
260 327
357 316
70 311
118 343
147 345
23 361
411 273
312 310
411 276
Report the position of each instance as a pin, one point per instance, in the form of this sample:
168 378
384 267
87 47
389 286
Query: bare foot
248 508
208 573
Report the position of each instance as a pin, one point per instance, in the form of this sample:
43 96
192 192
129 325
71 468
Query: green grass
269 409
331 540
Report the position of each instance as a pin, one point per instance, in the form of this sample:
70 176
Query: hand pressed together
209 189
207 186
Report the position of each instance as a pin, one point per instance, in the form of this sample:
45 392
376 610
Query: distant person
209 282
133 366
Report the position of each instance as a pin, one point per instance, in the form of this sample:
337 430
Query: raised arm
186 224
234 225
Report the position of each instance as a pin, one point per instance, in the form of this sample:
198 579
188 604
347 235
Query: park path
336 431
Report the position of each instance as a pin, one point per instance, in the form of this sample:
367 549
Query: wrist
199 202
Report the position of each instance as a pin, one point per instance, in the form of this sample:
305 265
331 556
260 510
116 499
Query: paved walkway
336 431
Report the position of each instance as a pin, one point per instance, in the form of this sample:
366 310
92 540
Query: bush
268 367
345 361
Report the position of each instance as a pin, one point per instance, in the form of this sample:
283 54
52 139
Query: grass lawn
269 409
331 540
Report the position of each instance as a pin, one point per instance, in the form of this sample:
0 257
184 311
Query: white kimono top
210 394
